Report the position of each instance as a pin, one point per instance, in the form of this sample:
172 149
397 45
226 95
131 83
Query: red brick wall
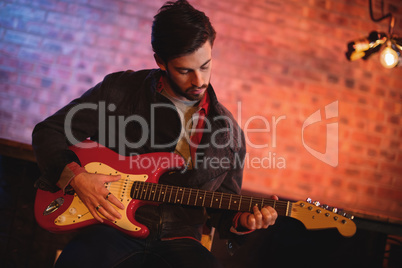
275 64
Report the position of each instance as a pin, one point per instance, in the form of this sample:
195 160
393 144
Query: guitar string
153 188
225 198
208 194
245 202
242 206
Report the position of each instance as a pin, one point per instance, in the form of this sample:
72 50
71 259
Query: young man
170 109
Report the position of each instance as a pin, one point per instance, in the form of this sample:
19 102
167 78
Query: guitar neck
201 198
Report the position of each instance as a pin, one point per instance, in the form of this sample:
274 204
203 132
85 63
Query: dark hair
179 29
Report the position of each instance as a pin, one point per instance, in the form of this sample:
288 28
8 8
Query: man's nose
197 79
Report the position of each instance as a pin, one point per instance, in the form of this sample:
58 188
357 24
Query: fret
216 200
196 197
155 191
224 201
142 191
134 189
138 190
180 200
230 201
160 191
164 193
251 202
182 195
203 201
236 202
266 202
146 191
260 203
240 202
212 199
274 204
175 197
192 197
189 194
150 191
170 195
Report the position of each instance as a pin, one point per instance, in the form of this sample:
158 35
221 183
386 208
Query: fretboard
201 198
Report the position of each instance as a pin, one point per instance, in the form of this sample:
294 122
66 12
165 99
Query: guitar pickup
53 206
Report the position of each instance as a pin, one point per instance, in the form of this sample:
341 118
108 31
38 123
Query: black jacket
122 103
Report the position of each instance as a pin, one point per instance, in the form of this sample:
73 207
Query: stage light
364 47
389 58
390 47
389 44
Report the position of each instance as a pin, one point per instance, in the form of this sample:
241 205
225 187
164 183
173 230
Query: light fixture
389 44
364 47
389 57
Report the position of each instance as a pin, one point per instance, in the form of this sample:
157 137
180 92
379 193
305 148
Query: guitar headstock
315 217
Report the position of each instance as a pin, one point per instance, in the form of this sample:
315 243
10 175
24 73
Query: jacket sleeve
226 222
72 124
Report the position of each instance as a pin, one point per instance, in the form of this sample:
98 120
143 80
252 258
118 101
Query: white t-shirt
186 110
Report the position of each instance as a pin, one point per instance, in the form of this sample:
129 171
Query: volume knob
72 211
61 218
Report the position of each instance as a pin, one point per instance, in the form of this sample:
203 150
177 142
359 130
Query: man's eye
205 67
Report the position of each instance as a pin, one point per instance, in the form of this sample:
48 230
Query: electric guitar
59 212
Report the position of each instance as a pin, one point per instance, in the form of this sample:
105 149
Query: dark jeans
103 246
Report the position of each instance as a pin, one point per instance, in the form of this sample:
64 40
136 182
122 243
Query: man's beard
177 90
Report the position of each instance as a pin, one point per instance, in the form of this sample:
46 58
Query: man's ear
160 62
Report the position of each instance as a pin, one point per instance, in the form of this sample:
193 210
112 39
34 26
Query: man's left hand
260 218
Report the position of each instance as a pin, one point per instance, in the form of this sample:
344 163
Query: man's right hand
91 189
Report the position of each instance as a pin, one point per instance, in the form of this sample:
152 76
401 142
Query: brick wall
278 66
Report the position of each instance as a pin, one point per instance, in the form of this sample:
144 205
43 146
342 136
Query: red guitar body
59 212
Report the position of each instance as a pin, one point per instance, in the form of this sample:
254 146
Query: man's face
188 76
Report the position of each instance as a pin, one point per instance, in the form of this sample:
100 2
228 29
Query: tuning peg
309 200
317 203
334 210
349 216
324 206
341 212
